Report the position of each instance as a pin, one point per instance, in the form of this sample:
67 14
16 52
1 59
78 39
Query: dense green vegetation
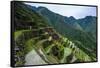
55 41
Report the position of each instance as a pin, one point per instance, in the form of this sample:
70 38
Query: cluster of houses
49 32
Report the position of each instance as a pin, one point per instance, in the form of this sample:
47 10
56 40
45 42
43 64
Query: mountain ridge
69 20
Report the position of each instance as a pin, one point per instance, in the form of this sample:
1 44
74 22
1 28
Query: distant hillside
89 25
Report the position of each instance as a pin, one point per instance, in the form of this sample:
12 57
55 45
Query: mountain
81 30
89 24
69 25
55 38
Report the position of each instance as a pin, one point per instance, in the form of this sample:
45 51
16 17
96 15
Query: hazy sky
69 10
